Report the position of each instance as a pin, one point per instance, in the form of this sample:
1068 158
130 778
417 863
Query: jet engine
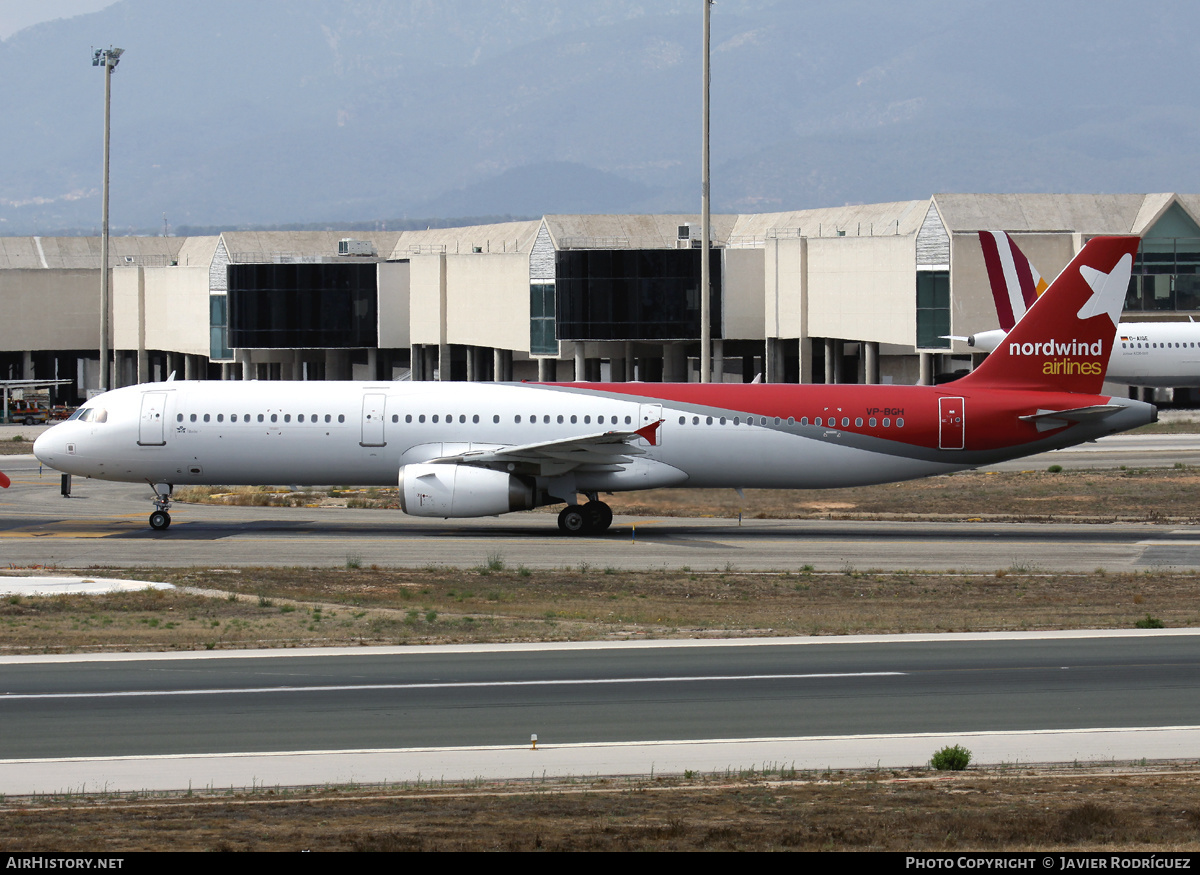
462 491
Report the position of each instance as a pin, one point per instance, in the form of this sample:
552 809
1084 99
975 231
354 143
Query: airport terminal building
855 294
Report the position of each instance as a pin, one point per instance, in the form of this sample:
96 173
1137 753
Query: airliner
1158 354
460 450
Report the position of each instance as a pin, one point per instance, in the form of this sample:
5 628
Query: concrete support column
27 366
830 354
927 369
718 360
547 370
372 364
774 360
501 365
445 363
871 367
580 363
806 359
430 354
226 369
416 360
247 364
472 364
190 370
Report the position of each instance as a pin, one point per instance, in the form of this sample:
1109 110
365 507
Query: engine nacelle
462 491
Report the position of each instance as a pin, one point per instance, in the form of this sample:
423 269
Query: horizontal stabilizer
1051 419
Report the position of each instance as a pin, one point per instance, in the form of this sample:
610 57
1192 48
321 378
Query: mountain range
305 111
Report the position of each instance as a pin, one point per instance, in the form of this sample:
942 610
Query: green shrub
1149 622
951 759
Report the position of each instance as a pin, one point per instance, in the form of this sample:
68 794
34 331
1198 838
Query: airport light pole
705 220
107 58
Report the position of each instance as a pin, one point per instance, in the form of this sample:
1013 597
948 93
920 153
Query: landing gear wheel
600 516
160 520
574 520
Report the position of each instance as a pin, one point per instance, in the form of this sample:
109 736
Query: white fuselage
310 433
1158 354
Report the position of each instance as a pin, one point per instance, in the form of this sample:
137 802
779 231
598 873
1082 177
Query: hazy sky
18 14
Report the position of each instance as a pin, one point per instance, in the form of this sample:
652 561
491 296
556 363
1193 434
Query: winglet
650 432
4 481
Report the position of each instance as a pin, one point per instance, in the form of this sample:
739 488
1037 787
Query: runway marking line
341 688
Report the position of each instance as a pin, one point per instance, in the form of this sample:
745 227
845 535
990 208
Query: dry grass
16 447
286 607
1009 810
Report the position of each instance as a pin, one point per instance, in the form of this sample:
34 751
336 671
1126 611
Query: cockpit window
77 414
91 414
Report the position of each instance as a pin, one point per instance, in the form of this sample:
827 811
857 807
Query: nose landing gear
160 520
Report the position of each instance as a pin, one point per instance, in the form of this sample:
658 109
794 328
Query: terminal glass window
542 340
1166 275
633 294
218 328
933 309
302 306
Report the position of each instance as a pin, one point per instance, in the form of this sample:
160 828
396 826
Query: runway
104 524
169 721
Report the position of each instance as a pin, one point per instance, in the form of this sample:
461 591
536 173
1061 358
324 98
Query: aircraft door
152 425
372 420
952 432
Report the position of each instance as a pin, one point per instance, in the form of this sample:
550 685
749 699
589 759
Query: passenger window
220 417
462 418
75 415
629 420
845 422
587 420
329 418
475 419
287 417
260 417
858 422
421 418
887 423
560 419
435 417
207 418
274 417
546 419
233 418
817 421
517 419
683 420
193 417
341 417
496 419
899 423
874 422
695 420
722 420
574 419
708 421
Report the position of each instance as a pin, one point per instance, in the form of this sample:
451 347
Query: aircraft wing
605 451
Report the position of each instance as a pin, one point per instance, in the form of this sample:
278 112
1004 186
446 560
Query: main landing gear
160 520
586 519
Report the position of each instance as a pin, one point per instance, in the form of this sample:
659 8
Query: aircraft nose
46 447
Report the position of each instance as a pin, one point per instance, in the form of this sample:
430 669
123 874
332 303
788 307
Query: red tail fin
1065 340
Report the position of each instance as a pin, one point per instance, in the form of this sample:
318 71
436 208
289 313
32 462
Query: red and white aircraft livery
480 449
1164 354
